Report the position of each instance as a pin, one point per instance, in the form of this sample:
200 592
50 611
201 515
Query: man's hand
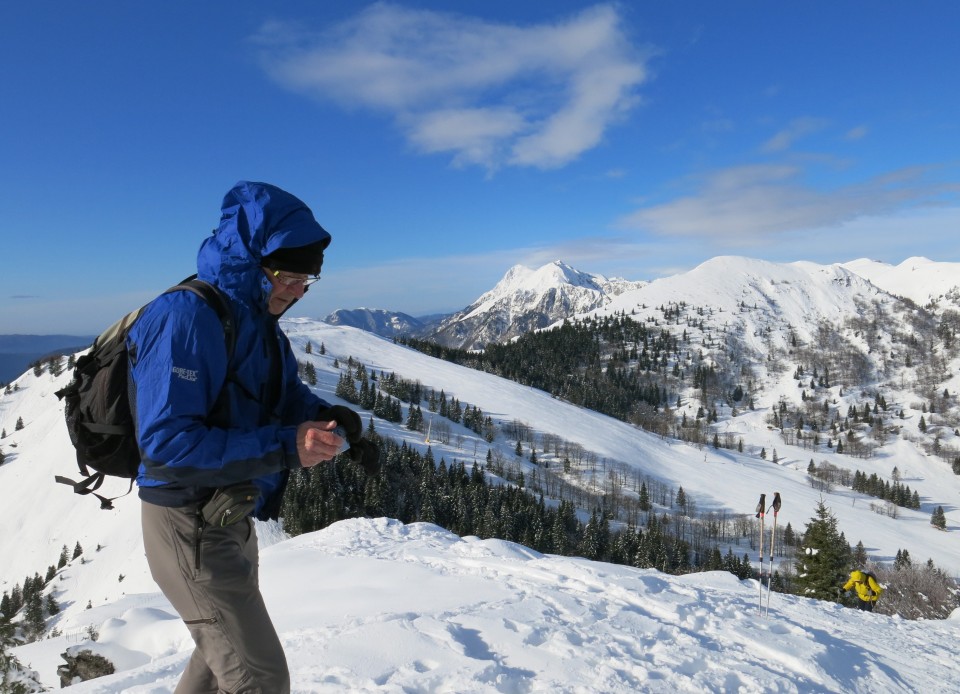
316 442
362 452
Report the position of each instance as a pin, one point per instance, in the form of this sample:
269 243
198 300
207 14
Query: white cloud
476 135
486 93
753 205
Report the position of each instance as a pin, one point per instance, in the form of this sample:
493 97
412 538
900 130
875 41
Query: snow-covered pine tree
823 558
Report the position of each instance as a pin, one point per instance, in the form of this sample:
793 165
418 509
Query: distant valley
17 352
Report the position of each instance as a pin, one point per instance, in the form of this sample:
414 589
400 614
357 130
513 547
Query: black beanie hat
303 260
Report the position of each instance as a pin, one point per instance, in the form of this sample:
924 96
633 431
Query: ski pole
760 511
773 539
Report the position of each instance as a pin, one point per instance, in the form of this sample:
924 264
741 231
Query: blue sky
442 143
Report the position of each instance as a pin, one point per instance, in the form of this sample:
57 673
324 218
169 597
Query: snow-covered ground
373 605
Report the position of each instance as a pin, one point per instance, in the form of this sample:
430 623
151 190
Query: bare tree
916 592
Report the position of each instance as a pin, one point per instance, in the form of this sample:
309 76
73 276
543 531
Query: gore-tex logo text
185 374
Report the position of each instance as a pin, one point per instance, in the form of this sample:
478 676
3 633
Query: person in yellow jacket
867 587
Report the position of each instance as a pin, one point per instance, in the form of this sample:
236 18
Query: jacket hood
256 219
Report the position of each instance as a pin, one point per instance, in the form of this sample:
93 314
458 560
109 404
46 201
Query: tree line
414 487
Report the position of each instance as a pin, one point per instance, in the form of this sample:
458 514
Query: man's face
287 288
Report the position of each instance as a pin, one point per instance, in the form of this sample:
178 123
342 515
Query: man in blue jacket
219 440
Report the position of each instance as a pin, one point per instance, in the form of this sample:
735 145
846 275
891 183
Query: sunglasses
288 280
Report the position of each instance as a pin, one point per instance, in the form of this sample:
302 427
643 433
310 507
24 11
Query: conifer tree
860 557
347 388
16 599
11 670
415 418
902 560
789 537
310 371
938 519
823 558
56 365
644 498
33 621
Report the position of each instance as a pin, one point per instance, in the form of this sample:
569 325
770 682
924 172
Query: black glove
362 452
345 417
366 455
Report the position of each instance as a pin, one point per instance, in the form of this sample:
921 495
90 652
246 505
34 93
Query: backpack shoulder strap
217 301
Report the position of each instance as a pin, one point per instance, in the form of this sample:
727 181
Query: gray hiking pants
210 576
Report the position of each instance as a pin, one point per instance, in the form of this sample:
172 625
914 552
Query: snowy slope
919 279
383 607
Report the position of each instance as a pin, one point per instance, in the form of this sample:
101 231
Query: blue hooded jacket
178 360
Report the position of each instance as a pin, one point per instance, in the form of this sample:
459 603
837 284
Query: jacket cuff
288 439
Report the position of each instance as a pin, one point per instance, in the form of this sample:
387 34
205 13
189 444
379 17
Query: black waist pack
230 504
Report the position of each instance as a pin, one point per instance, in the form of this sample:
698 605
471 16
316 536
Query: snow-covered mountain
757 304
526 300
919 279
379 606
522 300
377 321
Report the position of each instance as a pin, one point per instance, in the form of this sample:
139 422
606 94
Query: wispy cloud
488 94
750 205
857 133
796 129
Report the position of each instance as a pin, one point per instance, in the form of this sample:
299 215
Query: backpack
867 577
98 410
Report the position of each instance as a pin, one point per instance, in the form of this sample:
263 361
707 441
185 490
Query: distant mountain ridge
919 279
523 300
526 299
377 321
